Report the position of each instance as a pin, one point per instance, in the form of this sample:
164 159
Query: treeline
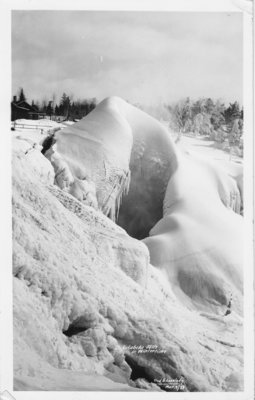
66 107
207 117
69 109
203 116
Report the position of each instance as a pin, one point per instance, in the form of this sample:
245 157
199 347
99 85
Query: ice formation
198 242
96 150
184 207
88 291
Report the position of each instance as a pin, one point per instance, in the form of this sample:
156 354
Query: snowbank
84 291
198 243
185 208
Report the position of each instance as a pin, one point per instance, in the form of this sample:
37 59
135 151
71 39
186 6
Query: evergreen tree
232 112
57 110
64 107
49 109
43 107
217 117
22 96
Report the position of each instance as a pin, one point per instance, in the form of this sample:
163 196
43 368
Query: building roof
24 106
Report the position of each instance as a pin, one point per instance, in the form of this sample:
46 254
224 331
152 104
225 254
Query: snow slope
88 291
198 242
185 207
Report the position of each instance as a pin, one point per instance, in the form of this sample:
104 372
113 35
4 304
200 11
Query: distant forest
66 107
203 116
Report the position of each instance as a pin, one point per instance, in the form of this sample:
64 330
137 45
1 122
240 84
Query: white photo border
6 321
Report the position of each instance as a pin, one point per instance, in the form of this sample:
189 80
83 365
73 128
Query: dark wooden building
23 110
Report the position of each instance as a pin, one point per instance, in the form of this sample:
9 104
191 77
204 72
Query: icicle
119 198
238 206
113 203
235 202
127 182
123 190
112 212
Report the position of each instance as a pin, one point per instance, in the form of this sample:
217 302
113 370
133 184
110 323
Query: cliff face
92 313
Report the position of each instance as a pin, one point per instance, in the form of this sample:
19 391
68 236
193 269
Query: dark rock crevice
73 330
48 143
138 371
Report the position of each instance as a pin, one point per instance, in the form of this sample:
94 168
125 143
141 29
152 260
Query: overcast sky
143 57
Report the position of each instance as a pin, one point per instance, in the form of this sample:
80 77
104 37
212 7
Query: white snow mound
84 291
185 208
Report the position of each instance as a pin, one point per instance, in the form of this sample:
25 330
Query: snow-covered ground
208 149
36 123
34 131
85 292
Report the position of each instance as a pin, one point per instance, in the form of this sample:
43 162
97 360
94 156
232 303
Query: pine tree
217 117
49 109
64 107
232 112
22 96
57 110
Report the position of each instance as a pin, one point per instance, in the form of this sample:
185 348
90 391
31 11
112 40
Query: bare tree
181 115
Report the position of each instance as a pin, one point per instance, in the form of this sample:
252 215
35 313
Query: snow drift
182 206
88 291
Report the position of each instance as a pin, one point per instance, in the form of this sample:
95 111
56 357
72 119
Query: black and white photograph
129 133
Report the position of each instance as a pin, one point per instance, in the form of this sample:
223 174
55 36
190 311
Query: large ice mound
186 209
84 291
